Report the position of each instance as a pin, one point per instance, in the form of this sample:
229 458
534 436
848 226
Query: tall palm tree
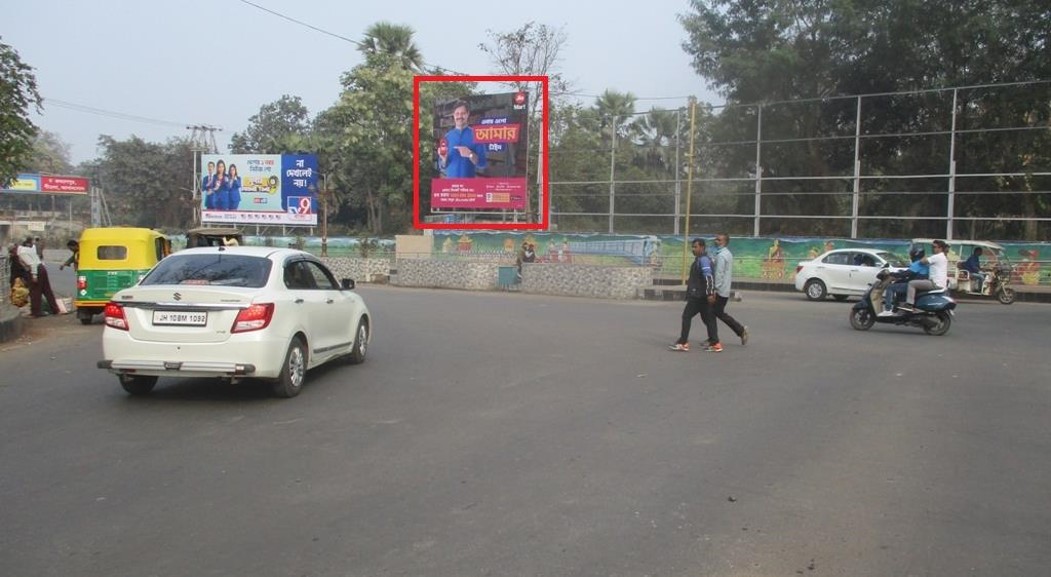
616 110
659 129
385 38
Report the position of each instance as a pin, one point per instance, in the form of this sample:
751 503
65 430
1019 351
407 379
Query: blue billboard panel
259 189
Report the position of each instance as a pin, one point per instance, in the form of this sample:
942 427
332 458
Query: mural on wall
765 258
772 259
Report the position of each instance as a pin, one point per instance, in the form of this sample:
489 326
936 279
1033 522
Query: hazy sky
217 61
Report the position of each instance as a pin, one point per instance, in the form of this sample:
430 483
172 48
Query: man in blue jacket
462 155
699 286
973 265
896 290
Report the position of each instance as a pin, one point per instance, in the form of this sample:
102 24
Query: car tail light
82 283
113 316
799 268
253 318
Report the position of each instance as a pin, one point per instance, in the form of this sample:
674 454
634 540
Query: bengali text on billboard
480 152
48 184
278 189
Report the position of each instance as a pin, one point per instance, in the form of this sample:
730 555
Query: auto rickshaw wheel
1006 295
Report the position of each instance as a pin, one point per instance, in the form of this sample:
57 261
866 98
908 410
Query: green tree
18 94
617 113
50 154
367 140
279 127
143 180
531 50
394 43
770 52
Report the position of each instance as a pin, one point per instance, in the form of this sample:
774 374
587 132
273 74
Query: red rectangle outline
417 222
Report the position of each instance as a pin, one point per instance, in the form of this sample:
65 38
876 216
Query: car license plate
192 319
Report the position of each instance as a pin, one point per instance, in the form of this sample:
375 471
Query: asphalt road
510 434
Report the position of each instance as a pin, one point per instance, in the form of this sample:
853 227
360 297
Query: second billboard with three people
278 189
480 152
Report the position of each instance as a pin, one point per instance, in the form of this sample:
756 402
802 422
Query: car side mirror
347 283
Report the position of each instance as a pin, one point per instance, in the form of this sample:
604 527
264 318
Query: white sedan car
843 272
233 313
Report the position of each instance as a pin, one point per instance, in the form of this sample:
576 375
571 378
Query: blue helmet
916 253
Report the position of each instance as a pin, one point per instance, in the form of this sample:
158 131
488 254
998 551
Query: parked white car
233 313
843 272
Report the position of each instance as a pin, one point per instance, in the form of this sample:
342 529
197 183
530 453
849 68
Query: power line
301 23
114 114
434 67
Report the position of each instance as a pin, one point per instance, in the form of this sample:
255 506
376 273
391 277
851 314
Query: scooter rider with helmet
939 275
896 290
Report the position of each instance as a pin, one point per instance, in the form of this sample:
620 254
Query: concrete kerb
12 323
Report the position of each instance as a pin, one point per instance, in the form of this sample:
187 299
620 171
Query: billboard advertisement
480 152
268 189
48 184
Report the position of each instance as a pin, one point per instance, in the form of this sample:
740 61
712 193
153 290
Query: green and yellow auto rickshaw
111 259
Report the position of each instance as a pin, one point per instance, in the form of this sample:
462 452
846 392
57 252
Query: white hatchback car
232 313
843 272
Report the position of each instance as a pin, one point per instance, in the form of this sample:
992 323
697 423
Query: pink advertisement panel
484 193
480 147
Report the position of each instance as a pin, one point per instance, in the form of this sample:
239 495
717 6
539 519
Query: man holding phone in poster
459 155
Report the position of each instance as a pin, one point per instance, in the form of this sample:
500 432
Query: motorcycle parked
934 309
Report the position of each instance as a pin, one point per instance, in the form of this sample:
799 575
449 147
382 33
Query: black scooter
934 309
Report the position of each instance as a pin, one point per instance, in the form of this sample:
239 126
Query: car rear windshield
210 269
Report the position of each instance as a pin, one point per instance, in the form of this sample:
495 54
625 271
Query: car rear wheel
293 372
361 343
137 384
815 290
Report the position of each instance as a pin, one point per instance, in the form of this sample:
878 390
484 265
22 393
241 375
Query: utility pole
612 173
202 141
324 214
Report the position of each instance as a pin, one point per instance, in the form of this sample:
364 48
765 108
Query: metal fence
932 172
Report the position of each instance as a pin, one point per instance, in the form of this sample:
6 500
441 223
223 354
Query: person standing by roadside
39 283
724 266
700 288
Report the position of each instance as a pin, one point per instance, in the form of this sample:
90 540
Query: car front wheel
361 343
293 372
815 290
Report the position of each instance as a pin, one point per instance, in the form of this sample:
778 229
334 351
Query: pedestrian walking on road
700 290
724 267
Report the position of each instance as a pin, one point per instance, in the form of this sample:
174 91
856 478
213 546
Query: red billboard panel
64 184
480 155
